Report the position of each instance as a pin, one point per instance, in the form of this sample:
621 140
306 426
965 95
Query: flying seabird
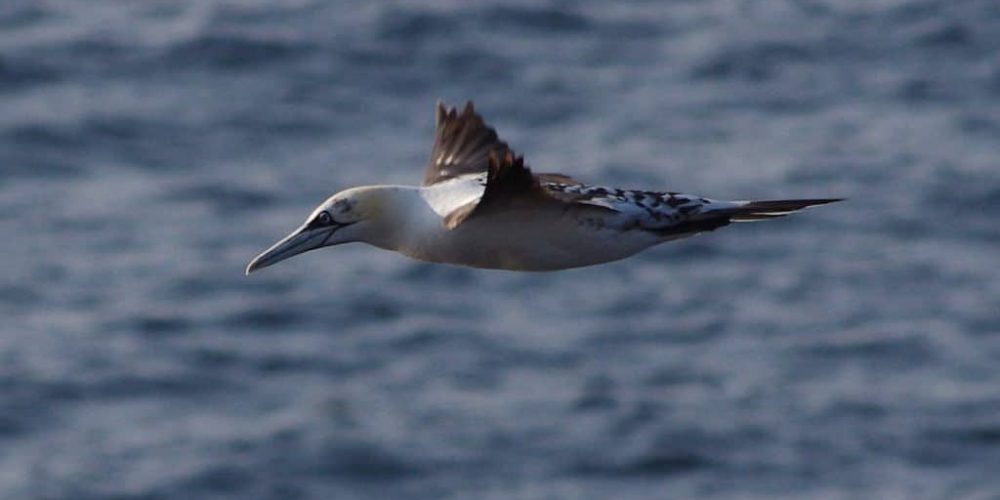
479 205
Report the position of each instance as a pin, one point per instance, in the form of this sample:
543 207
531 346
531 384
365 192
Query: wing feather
510 185
462 144
472 172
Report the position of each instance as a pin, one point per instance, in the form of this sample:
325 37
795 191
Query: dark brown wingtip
770 209
440 112
789 205
462 141
506 173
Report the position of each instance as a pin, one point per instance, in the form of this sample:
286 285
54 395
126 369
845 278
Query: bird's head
354 214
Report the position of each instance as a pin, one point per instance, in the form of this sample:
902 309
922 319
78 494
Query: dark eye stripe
322 220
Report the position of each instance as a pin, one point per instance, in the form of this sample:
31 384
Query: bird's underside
480 205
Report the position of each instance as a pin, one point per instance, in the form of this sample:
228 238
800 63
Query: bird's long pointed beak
301 240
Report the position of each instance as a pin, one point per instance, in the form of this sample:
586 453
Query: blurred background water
149 149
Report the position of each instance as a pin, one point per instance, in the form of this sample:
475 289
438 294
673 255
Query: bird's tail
747 211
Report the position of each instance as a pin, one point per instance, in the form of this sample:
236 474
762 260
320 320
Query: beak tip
298 242
251 267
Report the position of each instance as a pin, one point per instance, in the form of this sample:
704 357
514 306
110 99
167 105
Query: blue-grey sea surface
149 149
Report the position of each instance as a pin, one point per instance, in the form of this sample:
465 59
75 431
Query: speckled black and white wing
669 214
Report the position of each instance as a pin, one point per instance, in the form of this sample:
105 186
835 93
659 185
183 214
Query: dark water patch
415 26
84 58
430 339
756 62
987 323
243 14
124 129
535 19
29 404
838 166
359 460
554 111
944 34
913 12
374 307
31 163
11 426
767 101
907 227
130 386
322 362
160 325
640 415
634 175
978 124
682 330
19 295
693 250
993 83
626 335
22 14
100 54
233 52
432 274
598 394
186 288
674 377
213 358
260 124
378 57
501 357
653 464
20 73
280 364
986 435
475 64
43 137
631 30
228 479
223 197
868 411
264 319
891 351
921 89
121 139
963 194
659 464
25 396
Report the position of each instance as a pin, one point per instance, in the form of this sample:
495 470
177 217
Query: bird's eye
324 218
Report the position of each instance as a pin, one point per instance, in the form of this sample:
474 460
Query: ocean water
149 149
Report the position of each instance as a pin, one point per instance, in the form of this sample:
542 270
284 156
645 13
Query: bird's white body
526 239
517 240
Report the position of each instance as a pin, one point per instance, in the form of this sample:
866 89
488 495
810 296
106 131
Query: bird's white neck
395 216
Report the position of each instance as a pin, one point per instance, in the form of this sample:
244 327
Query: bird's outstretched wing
462 144
510 186
472 172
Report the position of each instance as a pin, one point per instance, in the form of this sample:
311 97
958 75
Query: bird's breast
526 241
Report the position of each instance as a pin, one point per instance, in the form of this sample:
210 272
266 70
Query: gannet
480 205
